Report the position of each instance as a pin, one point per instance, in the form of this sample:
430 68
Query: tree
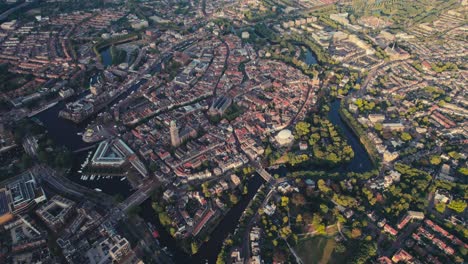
435 160
302 128
205 190
156 207
463 171
233 198
285 232
322 186
340 218
164 219
284 201
172 231
405 136
324 208
457 205
247 170
194 248
268 150
220 259
440 207
355 233
298 199
299 219
319 227
366 251
378 126
340 248
245 191
454 155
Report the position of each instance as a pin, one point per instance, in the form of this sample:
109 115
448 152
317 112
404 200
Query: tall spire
175 140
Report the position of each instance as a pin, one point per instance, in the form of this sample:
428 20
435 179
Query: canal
68 134
65 133
209 250
106 56
310 58
361 161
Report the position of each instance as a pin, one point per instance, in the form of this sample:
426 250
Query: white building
284 137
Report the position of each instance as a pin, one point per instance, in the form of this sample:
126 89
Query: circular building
284 137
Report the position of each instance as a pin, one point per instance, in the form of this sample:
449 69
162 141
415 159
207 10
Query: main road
139 196
63 185
10 11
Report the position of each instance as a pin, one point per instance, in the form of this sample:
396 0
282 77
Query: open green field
318 250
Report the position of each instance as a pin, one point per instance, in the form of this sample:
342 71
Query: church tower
175 140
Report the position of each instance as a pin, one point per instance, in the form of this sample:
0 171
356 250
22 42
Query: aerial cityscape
233 131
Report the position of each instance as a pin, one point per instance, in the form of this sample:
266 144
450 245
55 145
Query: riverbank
360 163
68 134
103 44
360 133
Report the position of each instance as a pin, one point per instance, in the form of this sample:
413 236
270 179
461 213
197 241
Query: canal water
106 56
62 131
310 58
65 133
361 161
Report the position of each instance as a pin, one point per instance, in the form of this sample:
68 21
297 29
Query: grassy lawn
318 250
